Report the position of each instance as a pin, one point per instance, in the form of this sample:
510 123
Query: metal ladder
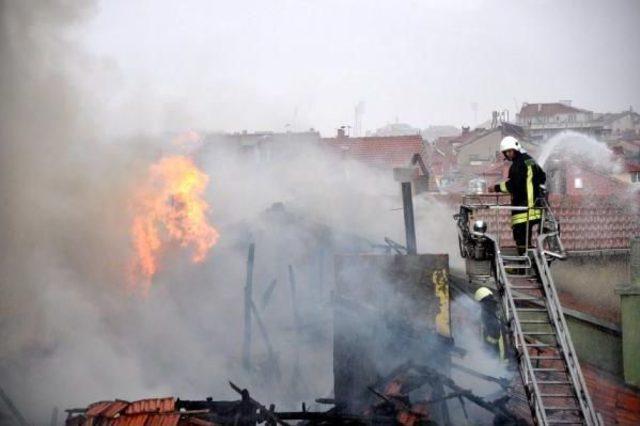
539 335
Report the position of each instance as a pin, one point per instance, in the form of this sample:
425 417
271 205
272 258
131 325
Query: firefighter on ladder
490 327
524 184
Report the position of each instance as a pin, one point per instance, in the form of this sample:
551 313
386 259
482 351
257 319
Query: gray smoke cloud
70 334
63 234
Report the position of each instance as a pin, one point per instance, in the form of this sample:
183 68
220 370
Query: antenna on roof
357 122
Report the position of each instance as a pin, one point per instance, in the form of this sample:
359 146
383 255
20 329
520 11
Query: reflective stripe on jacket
525 178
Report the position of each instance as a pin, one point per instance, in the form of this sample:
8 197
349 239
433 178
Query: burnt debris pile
393 359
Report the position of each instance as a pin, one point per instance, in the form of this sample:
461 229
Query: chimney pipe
409 223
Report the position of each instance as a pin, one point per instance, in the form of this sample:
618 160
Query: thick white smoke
70 334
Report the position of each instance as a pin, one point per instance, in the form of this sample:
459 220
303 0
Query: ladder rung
535 322
531 310
565 422
557 395
557 357
539 345
526 287
509 257
530 299
553 382
548 369
539 333
562 408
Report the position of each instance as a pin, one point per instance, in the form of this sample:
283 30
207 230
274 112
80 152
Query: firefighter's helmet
480 226
481 293
509 142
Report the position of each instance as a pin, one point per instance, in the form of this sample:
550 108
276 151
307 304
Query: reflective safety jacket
525 178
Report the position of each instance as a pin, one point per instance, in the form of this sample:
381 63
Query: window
635 177
577 183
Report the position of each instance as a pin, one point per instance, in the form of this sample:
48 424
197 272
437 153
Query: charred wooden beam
273 360
266 295
12 407
263 410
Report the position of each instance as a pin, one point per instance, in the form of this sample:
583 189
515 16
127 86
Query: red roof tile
152 405
114 409
618 403
392 151
163 420
595 223
97 408
135 420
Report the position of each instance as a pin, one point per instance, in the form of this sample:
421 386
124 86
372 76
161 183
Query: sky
284 64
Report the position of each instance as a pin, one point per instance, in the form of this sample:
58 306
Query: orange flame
169 207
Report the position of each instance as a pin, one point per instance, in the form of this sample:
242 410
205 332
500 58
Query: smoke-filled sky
265 64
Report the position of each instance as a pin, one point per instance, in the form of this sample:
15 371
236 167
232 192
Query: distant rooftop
384 151
548 109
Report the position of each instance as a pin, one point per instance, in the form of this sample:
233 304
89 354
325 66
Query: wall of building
592 279
597 345
572 179
483 149
594 315
624 123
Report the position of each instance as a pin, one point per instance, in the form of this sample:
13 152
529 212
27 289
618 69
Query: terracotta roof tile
163 420
97 408
618 403
152 405
133 420
586 223
115 408
392 151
